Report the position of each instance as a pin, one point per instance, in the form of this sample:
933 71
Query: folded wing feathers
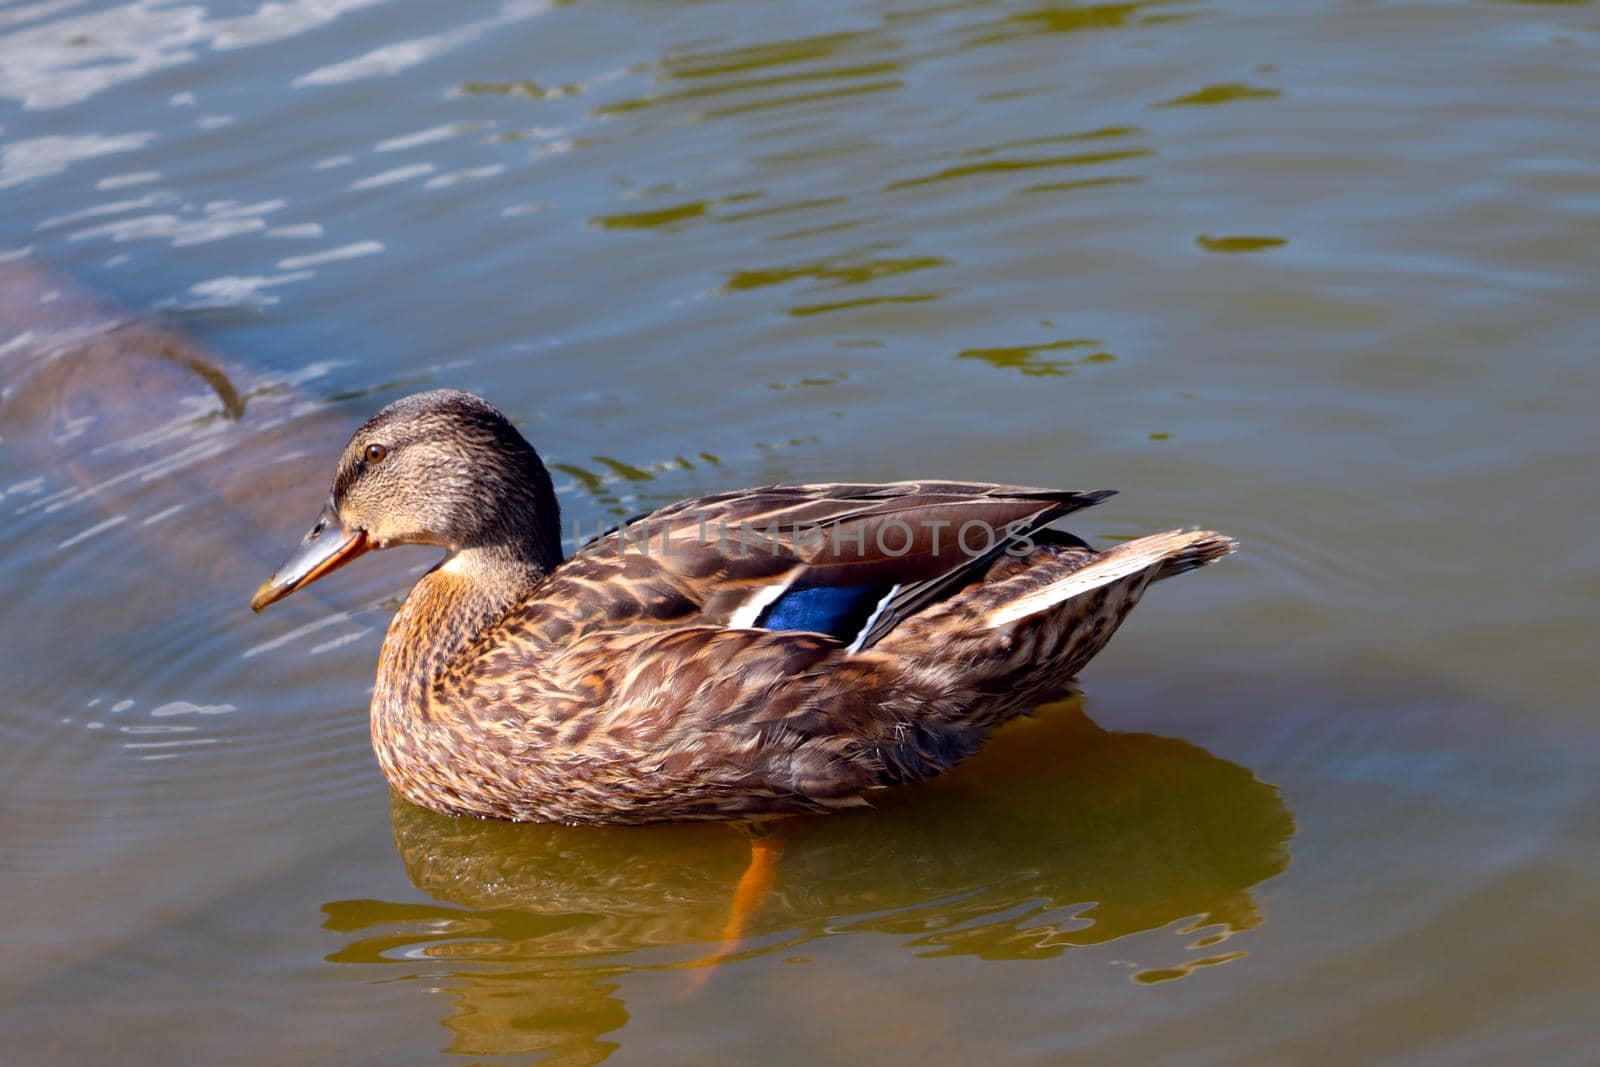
856 534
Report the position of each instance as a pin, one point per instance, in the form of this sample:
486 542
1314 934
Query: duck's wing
847 560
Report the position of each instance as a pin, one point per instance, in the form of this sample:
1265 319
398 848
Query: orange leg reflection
766 850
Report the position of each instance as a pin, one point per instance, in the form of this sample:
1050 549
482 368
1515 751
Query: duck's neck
444 614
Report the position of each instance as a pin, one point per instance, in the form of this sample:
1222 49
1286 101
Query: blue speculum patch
839 611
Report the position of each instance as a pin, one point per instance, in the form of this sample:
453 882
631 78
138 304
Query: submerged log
132 423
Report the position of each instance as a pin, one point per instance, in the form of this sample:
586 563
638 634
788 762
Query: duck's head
442 468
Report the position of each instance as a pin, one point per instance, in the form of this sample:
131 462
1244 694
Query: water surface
1320 277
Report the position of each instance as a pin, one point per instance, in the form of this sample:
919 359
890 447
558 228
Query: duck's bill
330 545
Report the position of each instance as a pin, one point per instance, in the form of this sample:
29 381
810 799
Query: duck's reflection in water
1061 834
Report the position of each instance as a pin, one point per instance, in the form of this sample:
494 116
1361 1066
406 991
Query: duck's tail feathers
1164 554
1199 548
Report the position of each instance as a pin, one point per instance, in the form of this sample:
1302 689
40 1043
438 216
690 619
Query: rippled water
1320 276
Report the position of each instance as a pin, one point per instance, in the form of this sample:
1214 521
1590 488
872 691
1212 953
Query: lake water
1319 275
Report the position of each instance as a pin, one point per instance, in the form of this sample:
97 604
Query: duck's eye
375 453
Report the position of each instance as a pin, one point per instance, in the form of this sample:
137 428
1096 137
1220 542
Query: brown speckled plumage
629 683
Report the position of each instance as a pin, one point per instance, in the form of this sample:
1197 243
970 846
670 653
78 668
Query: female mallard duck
762 652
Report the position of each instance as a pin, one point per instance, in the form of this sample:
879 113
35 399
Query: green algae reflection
1033 361
1239 243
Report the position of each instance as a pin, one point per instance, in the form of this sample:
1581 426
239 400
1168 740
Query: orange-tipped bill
330 545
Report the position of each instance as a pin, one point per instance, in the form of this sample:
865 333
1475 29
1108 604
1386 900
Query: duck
765 652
